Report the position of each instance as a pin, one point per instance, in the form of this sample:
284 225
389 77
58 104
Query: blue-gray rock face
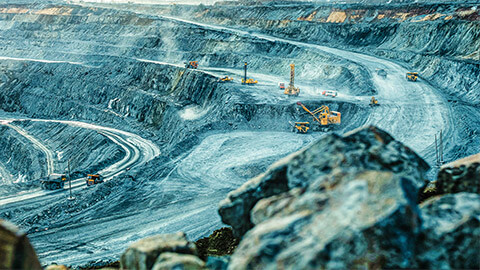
367 149
451 232
365 219
350 202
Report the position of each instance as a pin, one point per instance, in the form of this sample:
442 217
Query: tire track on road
138 151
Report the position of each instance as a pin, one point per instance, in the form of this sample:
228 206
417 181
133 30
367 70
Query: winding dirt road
138 152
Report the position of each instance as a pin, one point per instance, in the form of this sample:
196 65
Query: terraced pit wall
108 66
440 41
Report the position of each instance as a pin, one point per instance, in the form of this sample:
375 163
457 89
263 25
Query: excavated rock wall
23 161
440 41
87 151
77 34
102 76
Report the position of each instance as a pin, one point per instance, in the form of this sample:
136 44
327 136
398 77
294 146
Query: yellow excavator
412 76
301 127
323 116
291 90
245 80
225 79
374 102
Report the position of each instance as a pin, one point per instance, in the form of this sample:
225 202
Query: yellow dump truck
93 179
412 76
53 181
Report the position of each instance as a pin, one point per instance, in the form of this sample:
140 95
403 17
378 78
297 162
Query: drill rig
291 90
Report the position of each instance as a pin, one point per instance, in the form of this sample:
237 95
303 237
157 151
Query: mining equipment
291 89
373 102
191 64
281 85
323 116
225 79
245 80
301 127
412 76
53 181
93 179
330 93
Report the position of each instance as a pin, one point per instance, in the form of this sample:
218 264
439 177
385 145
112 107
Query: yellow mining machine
374 102
93 179
323 116
225 79
301 127
291 90
412 76
53 181
245 80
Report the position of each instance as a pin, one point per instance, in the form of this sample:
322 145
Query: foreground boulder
460 176
15 249
145 253
220 243
169 261
364 220
451 232
335 156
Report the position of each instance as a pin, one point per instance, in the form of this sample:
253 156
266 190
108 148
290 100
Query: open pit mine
249 134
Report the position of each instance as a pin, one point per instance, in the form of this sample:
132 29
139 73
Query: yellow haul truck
53 181
93 179
412 76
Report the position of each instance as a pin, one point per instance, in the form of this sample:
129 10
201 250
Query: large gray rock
460 176
143 254
367 219
16 252
368 148
451 232
175 261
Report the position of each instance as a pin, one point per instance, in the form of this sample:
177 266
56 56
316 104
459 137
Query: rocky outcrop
460 176
366 149
451 232
56 267
19 157
170 261
447 54
337 222
220 243
145 253
353 208
15 249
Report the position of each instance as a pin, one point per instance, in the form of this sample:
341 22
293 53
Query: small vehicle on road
93 179
373 102
225 79
330 93
191 64
411 76
53 181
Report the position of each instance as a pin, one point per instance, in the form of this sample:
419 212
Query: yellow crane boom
291 90
323 115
